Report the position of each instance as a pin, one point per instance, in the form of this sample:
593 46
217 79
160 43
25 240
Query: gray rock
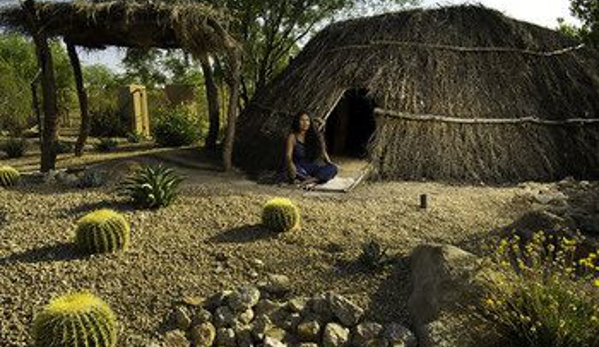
225 337
348 313
202 335
201 315
244 298
335 335
399 336
244 337
365 332
266 306
297 304
276 333
246 316
217 300
181 319
308 344
319 305
260 325
277 284
175 338
308 331
272 342
223 316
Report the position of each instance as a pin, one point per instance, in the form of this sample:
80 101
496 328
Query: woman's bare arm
291 170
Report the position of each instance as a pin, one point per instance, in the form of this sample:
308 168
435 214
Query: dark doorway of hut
348 131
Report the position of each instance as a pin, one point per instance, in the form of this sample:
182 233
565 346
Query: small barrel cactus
75 320
9 176
102 231
281 215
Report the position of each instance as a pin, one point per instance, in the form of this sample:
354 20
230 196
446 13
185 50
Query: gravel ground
208 239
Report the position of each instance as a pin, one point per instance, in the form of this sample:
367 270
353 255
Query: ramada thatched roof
464 62
197 28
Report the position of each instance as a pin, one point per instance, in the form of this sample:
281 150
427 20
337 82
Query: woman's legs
325 173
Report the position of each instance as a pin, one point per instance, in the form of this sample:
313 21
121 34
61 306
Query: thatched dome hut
459 93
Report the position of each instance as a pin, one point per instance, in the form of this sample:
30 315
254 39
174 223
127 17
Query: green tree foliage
18 67
588 13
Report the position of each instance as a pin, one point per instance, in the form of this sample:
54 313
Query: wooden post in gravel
82 96
49 102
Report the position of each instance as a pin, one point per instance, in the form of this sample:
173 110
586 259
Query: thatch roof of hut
435 77
195 27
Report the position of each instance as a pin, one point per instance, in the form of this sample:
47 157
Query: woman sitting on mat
306 157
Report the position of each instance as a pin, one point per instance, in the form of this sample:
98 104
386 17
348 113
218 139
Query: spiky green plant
281 215
151 186
102 231
374 256
9 176
75 320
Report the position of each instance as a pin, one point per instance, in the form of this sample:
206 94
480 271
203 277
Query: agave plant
151 186
374 256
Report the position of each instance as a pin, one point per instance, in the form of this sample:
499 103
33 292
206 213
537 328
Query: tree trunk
232 114
82 95
213 104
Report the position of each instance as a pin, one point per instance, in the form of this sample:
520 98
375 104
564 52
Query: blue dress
306 169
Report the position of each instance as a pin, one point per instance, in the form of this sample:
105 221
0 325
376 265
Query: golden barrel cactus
281 215
9 176
102 231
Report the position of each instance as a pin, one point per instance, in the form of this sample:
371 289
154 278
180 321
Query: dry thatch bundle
197 28
462 93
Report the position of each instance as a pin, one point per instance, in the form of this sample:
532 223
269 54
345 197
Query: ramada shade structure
196 28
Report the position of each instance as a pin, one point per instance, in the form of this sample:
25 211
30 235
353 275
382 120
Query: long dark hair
313 141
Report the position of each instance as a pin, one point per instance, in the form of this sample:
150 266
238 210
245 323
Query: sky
540 12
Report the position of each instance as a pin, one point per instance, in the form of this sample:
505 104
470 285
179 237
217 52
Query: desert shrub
175 127
61 147
102 231
552 299
107 123
92 179
151 186
374 256
106 145
134 137
15 147
9 176
281 215
75 320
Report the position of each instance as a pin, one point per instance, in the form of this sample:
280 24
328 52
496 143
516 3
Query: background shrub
106 145
280 215
75 320
15 147
62 147
102 231
151 186
175 127
551 298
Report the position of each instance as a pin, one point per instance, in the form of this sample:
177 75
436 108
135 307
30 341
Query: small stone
292 321
217 300
377 343
308 331
181 319
257 263
366 331
335 335
271 342
308 344
348 313
175 338
244 298
320 306
244 336
192 301
203 335
201 315
246 316
277 284
276 333
260 325
265 307
297 304
225 337
223 316
399 336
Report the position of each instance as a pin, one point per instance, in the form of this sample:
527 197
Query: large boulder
445 281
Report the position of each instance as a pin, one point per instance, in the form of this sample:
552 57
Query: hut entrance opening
350 126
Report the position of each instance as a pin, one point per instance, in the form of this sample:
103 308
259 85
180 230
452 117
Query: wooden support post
82 96
423 201
36 105
235 66
50 105
213 104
